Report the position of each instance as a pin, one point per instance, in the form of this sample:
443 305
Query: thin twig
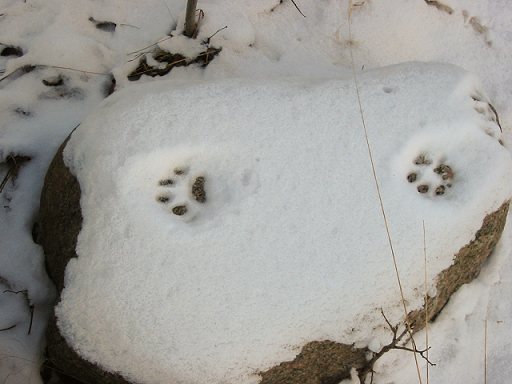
496 114
128 25
6 178
53 66
78 70
393 329
422 353
30 306
394 344
13 72
140 55
298 8
16 292
207 41
31 318
149 46
379 194
14 162
168 10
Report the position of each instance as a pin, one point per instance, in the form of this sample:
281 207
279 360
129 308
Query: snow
272 60
290 198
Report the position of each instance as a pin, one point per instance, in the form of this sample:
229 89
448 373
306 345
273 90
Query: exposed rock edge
327 362
60 223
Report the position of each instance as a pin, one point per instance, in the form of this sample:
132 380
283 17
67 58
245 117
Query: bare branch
298 8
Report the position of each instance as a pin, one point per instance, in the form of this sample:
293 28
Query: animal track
182 192
198 189
58 88
9 50
430 179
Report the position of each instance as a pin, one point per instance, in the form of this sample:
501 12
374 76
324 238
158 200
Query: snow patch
221 225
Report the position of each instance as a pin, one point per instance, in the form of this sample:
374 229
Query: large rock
429 141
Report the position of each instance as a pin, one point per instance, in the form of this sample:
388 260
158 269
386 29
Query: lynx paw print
182 193
430 178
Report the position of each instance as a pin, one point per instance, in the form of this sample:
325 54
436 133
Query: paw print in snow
430 179
181 193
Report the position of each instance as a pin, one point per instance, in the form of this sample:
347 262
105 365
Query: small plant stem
6 178
407 322
149 46
190 19
31 307
168 10
426 294
54 66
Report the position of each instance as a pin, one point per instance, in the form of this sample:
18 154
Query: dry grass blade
426 295
78 70
496 114
485 352
30 306
29 68
380 196
149 46
25 68
207 41
168 10
14 163
128 25
297 8
6 178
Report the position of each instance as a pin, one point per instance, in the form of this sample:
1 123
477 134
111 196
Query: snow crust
274 257
264 39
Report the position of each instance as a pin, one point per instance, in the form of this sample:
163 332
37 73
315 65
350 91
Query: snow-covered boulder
229 224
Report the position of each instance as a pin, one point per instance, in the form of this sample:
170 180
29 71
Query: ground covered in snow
285 243
59 60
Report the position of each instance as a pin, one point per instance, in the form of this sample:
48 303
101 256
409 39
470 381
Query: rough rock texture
465 268
328 362
60 218
319 362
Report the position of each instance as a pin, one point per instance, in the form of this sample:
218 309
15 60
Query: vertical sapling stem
191 24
